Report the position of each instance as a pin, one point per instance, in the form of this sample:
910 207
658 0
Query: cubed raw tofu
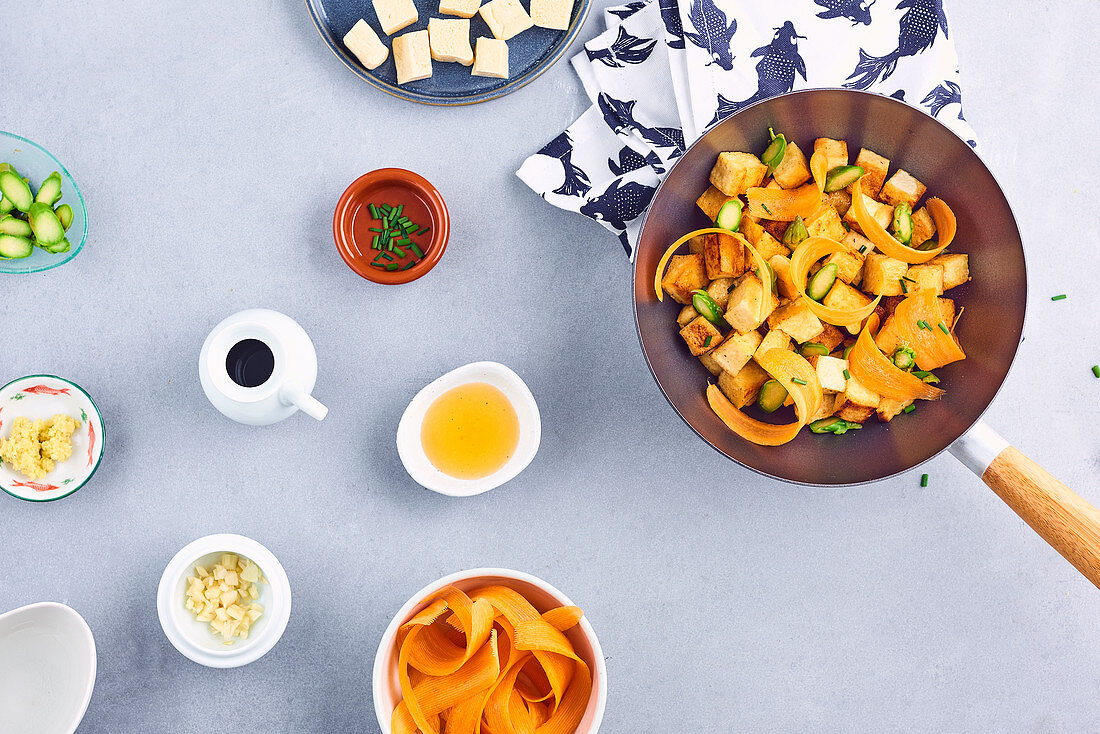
701 336
849 265
798 320
875 168
825 222
881 213
830 373
554 14
461 8
774 339
413 57
793 170
736 351
889 408
882 275
393 15
924 228
925 277
742 388
743 308
686 316
835 152
858 243
685 274
505 18
826 408
723 256
956 268
711 202
449 39
768 247
830 337
844 296
719 289
857 403
707 358
736 173
490 58
362 41
839 200
781 266
902 188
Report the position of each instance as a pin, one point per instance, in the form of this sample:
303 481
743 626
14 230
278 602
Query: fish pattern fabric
665 71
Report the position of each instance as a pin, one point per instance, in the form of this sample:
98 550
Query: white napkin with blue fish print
665 71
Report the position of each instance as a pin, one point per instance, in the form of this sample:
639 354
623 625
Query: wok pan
990 330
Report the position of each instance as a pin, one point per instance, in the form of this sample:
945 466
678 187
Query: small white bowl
47 669
411 450
543 596
43 396
193 638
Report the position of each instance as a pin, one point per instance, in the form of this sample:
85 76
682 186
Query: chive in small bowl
36 163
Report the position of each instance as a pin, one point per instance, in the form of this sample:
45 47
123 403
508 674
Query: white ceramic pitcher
280 394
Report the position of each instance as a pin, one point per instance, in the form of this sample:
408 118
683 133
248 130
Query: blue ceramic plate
529 54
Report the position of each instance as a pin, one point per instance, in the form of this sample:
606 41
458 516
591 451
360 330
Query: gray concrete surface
212 139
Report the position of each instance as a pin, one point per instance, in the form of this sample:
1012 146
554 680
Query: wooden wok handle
1059 515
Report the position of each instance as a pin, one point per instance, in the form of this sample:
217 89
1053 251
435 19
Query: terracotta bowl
352 220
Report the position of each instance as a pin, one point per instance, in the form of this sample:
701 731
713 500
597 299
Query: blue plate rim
435 101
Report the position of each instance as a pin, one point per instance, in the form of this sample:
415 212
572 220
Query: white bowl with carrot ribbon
40 397
492 644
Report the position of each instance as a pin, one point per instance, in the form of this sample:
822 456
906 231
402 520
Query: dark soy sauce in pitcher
250 363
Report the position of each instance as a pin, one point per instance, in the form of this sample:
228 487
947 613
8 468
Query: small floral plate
41 397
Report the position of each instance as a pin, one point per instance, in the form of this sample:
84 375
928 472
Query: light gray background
212 140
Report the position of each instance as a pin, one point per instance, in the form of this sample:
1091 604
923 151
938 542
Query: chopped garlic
225 597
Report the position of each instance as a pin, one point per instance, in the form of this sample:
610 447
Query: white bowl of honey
469 431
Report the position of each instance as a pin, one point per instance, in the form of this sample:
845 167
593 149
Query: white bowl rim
256 646
102 439
88 637
416 462
406 611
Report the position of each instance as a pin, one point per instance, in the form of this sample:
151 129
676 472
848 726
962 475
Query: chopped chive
1058 298
1096 370
387 208
924 480
399 251
417 250
943 328
906 277
374 229
798 381
769 211
909 408
387 255
862 249
377 264
706 343
391 266
374 242
409 265
397 209
424 230
847 375
924 325
904 288
374 211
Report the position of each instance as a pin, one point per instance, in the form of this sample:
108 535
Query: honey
470 431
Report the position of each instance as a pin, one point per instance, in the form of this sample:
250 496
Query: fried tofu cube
825 222
773 184
947 310
830 337
875 168
742 388
857 403
887 338
881 213
696 244
902 188
844 296
882 275
825 408
736 173
751 229
834 151
707 358
924 277
490 58
956 268
775 227
858 243
924 227
793 170
768 247
839 200
849 266
736 351
686 316
798 320
774 339
711 201
701 336
781 266
743 308
889 408
685 274
719 289
723 256
830 373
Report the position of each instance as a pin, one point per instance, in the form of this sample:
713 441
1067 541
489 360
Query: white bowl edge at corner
79 635
411 451
183 631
